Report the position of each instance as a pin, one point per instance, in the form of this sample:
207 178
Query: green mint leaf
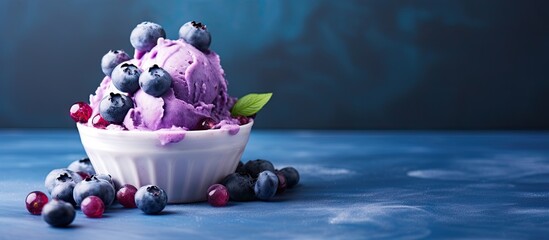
250 104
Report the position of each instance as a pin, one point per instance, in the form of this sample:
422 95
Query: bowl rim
90 129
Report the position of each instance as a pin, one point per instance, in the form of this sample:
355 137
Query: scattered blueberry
125 77
60 175
241 188
92 207
126 196
96 187
266 185
254 167
80 112
291 175
82 165
206 123
156 81
196 34
218 195
58 213
151 199
35 201
112 59
145 35
240 168
63 191
106 177
114 107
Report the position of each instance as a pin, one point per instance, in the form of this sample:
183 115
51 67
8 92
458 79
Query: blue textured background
331 64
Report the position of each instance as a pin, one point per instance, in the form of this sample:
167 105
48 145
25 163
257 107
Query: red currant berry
93 206
218 195
35 201
242 120
281 183
99 122
126 196
84 175
80 112
206 123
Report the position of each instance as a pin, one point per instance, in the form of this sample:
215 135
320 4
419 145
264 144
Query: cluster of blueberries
259 180
155 81
78 185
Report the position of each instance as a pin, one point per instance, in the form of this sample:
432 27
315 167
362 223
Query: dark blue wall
331 64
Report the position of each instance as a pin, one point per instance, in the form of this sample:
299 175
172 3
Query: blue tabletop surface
354 185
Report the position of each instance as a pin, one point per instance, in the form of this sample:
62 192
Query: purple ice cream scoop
198 91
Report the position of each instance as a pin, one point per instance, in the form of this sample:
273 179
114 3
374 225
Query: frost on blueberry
156 81
64 191
111 59
114 107
83 165
196 34
125 77
266 185
151 199
58 213
106 177
58 176
96 187
145 35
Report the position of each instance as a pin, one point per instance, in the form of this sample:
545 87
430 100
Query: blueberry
58 213
240 168
266 185
125 77
112 59
82 165
114 107
254 167
64 191
106 177
156 81
291 175
60 175
196 34
151 199
240 187
145 35
93 186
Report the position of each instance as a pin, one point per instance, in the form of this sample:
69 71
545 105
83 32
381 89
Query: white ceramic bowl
184 169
